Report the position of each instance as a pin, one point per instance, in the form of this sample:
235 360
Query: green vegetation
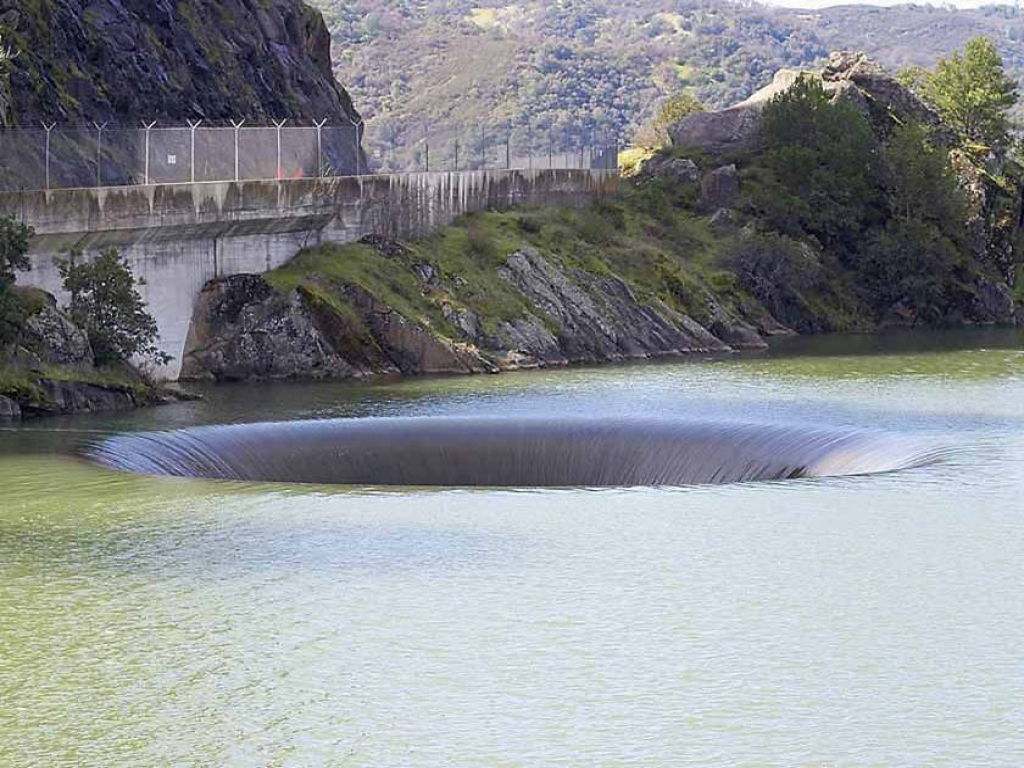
973 93
576 68
14 238
821 166
107 306
892 215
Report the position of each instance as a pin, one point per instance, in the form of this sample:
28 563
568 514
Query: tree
921 182
14 239
973 93
655 133
107 306
821 151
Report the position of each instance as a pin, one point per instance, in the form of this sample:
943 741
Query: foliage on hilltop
918 237
582 66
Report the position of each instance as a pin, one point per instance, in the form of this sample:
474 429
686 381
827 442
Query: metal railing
104 155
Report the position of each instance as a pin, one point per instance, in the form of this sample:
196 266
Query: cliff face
124 61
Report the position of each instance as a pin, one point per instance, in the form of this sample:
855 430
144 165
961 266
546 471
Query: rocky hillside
124 61
580 66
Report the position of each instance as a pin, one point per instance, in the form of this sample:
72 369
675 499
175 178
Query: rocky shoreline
245 330
50 371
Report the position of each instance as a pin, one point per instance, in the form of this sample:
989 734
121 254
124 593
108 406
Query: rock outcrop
598 318
243 329
54 372
851 76
993 187
720 188
122 61
58 340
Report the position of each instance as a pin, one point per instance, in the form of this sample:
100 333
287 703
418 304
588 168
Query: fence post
148 127
192 126
279 124
238 130
426 141
49 129
99 153
319 148
357 124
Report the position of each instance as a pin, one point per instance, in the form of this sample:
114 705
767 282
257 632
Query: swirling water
848 621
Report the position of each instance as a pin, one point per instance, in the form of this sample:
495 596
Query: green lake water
853 621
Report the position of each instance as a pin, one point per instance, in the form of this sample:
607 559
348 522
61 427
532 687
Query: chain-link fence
101 155
486 147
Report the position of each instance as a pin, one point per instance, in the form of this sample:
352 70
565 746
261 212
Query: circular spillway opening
508 452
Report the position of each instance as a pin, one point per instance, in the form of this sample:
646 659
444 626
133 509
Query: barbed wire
54 156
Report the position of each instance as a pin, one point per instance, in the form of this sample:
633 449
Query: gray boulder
720 188
242 329
9 409
52 335
678 170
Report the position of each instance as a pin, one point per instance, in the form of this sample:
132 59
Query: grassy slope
649 236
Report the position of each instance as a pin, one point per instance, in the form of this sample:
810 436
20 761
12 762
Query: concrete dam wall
179 236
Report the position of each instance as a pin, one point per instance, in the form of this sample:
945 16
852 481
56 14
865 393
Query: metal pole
529 140
99 153
456 153
279 124
426 140
238 130
320 148
357 124
483 148
551 150
508 152
192 126
149 129
49 130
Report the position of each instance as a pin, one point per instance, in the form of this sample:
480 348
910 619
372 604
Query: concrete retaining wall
177 237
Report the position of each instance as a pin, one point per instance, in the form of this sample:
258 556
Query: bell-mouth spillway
509 452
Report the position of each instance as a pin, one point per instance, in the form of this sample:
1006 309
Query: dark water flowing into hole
513 453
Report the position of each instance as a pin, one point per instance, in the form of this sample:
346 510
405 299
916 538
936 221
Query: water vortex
507 452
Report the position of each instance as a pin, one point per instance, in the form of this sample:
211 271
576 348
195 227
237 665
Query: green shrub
14 240
822 152
773 269
107 306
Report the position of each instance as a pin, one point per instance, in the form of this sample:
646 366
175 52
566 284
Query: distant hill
579 67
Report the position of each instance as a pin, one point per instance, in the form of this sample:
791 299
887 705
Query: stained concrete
179 236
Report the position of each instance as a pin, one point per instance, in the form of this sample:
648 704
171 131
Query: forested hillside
578 67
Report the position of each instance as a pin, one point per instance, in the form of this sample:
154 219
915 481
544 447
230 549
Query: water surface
850 621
